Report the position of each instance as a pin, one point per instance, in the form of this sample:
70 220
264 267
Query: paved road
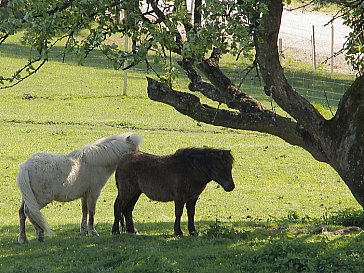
296 33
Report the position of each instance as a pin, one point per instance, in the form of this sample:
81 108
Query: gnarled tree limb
263 121
273 75
222 89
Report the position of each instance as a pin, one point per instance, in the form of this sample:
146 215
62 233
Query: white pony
81 174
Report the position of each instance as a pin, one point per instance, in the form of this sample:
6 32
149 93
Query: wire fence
321 91
325 92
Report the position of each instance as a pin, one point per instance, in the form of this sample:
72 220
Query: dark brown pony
180 177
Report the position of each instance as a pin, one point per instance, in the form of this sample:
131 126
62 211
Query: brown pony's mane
206 154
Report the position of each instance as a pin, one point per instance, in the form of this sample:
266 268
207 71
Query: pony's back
182 160
205 154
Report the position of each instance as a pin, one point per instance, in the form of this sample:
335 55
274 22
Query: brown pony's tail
32 208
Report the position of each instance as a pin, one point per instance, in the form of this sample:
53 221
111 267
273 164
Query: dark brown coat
180 177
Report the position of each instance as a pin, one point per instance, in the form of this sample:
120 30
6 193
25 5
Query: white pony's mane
107 150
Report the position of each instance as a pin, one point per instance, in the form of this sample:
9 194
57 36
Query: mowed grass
267 224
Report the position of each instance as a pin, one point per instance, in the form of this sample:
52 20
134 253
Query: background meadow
267 224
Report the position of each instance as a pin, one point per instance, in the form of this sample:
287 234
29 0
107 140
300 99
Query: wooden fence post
126 48
313 48
192 12
332 48
280 49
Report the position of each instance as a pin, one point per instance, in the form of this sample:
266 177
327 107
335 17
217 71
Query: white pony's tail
33 210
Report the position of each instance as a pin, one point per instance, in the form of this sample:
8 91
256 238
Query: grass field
267 224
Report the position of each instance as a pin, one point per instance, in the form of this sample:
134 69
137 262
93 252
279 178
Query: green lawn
265 225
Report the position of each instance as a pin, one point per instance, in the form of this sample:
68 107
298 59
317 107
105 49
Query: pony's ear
134 139
225 154
130 140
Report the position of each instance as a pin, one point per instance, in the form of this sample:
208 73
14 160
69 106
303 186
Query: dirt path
296 33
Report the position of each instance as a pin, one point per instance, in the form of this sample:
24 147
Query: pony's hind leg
83 226
128 195
128 213
39 232
117 216
22 238
191 207
178 210
124 208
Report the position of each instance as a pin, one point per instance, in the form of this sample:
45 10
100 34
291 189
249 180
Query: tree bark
345 138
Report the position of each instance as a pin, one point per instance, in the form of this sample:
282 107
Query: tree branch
263 121
233 98
276 84
29 68
3 38
225 91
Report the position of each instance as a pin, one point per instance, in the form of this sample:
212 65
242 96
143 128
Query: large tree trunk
345 139
341 138
338 142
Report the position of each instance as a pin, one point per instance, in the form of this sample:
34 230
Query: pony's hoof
193 233
22 240
115 232
83 230
93 233
133 232
40 236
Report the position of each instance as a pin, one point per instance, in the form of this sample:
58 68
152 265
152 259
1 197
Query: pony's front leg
178 210
83 227
191 207
22 238
91 205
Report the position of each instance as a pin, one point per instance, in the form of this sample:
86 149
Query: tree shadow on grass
95 59
221 246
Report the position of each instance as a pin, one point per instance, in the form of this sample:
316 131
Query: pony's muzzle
229 187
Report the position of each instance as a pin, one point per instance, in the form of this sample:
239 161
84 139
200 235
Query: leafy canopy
79 27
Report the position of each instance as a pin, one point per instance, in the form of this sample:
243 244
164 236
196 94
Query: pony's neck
202 174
